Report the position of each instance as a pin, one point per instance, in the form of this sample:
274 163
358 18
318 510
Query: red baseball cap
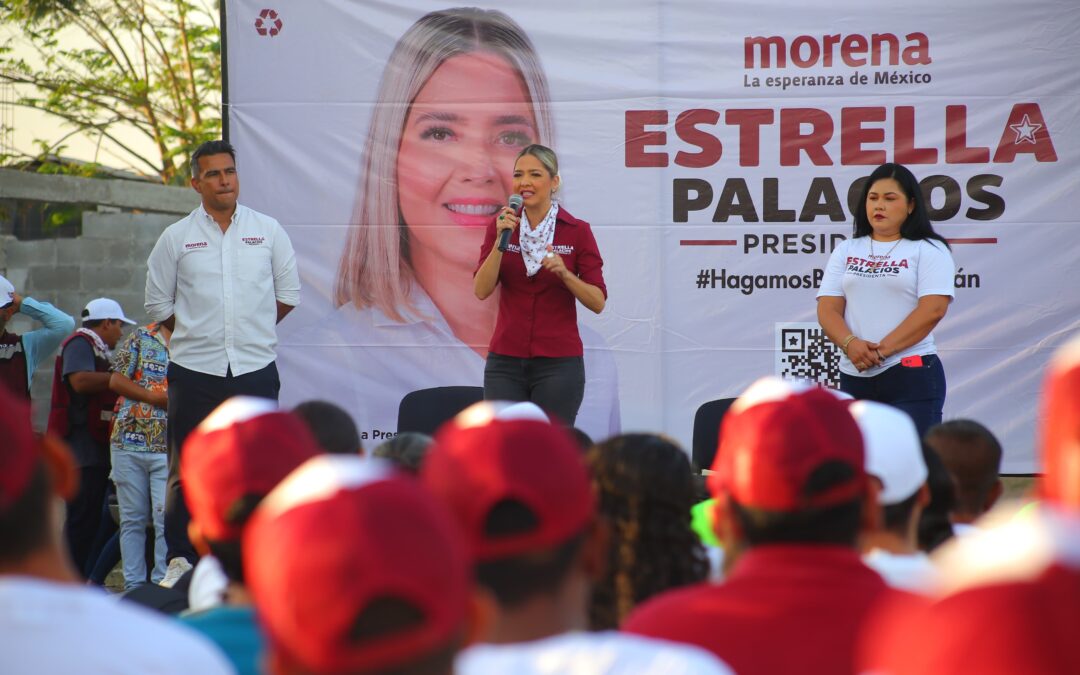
340 535
1060 433
775 436
18 450
479 460
245 447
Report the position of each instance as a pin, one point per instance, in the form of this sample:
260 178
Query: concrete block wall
108 260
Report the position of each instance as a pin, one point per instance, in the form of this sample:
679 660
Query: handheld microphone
515 203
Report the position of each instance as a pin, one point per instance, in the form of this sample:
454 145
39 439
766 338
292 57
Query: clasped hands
864 354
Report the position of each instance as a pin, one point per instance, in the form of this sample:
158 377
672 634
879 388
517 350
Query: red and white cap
242 449
775 436
7 292
339 534
893 450
479 460
1060 432
18 449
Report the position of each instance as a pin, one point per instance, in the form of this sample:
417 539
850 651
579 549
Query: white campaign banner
715 147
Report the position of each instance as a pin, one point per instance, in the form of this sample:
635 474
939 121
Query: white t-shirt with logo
882 288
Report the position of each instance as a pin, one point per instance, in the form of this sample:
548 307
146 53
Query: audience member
935 525
646 490
521 493
50 622
233 459
1014 600
972 456
138 447
354 568
405 450
222 277
82 407
790 485
332 427
894 457
20 355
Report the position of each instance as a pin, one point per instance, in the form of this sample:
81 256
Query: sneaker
177 568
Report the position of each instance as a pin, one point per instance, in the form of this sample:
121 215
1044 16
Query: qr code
803 352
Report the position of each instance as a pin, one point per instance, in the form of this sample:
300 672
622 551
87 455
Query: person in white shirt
221 278
894 456
50 622
884 291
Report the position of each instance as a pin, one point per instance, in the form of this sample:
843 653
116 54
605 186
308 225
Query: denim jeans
918 391
555 384
140 491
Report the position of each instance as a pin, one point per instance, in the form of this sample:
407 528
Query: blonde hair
375 268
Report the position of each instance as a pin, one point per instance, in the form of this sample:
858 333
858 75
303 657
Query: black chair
707 431
426 410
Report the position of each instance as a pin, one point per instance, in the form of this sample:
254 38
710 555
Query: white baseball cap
893 450
7 292
104 308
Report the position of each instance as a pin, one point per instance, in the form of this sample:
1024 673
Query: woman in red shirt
550 264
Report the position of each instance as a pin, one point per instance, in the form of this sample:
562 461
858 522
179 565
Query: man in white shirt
50 622
221 278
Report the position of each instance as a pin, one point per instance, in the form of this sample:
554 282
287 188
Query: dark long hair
646 488
917 226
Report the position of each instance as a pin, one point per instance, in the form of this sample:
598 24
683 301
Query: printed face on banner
887 207
462 134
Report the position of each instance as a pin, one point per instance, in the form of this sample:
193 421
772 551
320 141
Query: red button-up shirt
538 314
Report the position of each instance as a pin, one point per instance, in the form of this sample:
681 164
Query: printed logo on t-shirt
562 249
253 241
195 245
884 267
513 248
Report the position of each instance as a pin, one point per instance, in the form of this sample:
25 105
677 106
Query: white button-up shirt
223 289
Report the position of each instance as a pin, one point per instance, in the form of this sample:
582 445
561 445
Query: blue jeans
140 491
918 391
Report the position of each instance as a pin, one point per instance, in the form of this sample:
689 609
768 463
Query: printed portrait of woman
463 91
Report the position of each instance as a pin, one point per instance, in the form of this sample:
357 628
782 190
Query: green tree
113 68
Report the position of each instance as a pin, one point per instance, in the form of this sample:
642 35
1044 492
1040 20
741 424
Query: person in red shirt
792 494
549 264
1012 601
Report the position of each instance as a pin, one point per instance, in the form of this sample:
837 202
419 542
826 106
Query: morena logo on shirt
195 244
253 241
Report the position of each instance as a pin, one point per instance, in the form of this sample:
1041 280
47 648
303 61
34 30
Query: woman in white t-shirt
884 291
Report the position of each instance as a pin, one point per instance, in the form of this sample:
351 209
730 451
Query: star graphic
1025 131
793 340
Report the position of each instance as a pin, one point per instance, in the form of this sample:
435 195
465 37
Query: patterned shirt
144 358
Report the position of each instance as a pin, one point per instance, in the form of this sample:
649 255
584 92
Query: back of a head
342 587
646 490
790 464
232 460
405 450
894 456
1059 438
332 427
972 456
521 493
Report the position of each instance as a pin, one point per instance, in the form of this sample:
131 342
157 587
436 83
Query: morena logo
268 23
855 50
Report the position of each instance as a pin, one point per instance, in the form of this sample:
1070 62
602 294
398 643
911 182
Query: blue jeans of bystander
140 491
